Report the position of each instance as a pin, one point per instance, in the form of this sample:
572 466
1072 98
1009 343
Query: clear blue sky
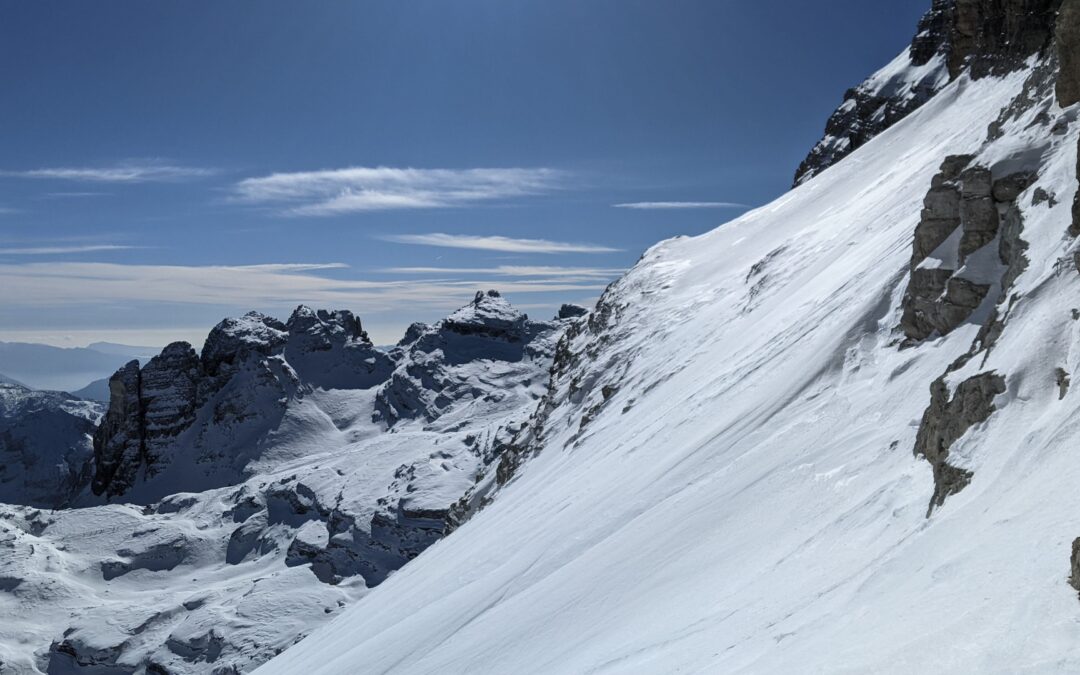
165 164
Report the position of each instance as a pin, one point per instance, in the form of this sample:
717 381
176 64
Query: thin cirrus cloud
59 250
680 205
151 171
495 243
515 271
356 189
94 283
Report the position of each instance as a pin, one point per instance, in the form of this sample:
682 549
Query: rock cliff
981 37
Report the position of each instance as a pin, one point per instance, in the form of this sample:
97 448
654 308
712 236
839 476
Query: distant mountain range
45 367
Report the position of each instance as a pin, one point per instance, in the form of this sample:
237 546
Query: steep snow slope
726 479
264 487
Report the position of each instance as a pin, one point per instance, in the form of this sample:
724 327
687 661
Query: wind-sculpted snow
256 490
723 475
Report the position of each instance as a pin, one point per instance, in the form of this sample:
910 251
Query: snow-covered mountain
45 445
836 435
242 496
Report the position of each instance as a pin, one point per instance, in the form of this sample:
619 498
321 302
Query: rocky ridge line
982 37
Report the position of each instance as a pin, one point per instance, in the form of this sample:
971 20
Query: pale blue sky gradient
166 164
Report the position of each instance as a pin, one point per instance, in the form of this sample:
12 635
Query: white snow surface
748 500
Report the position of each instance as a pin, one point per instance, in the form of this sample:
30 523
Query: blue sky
166 164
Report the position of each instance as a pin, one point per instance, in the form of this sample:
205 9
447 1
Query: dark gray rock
1068 48
1062 379
169 396
119 440
569 311
996 36
1012 249
946 420
1074 565
941 209
934 32
978 213
1040 196
966 197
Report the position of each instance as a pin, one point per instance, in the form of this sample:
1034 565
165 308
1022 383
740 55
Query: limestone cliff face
965 211
982 37
224 397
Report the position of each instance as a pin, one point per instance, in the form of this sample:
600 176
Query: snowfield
728 483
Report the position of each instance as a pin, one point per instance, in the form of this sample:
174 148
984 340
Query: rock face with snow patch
982 37
487 328
948 418
952 268
225 399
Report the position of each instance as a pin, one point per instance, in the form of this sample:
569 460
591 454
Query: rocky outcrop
946 420
996 36
983 37
869 109
119 442
428 380
489 316
169 396
569 311
248 368
964 212
1068 49
1074 565
234 339
1068 80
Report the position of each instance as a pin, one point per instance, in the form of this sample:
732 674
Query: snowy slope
726 481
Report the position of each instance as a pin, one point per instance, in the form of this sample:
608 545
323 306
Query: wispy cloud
681 205
57 250
354 189
495 243
247 286
515 271
71 195
145 171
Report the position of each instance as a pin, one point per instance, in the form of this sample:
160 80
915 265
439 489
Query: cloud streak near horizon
515 271
357 189
681 205
58 250
151 171
495 243
248 286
